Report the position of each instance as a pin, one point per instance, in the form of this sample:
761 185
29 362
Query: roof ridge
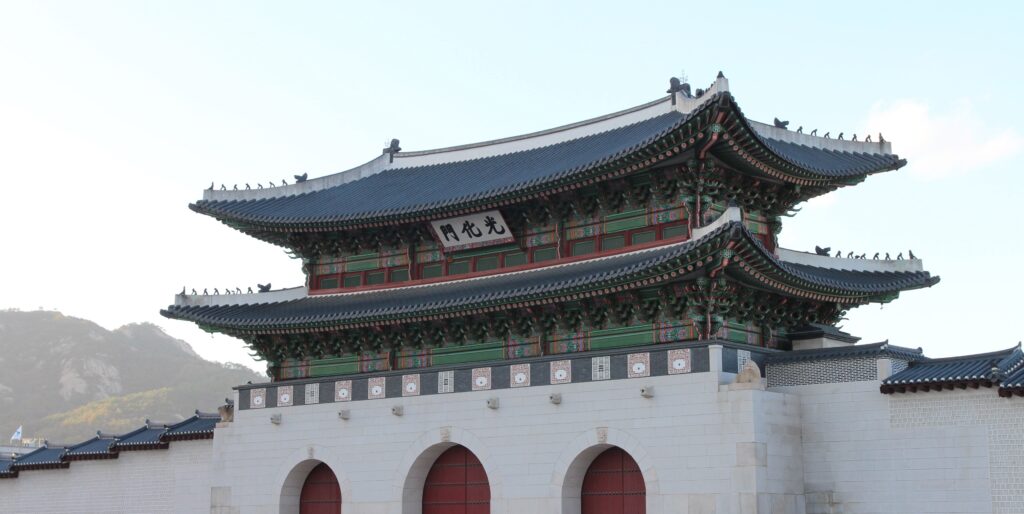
976 356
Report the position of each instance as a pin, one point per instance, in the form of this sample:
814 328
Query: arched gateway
321 493
457 484
613 485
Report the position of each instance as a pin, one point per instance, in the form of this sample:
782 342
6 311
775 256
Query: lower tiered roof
745 259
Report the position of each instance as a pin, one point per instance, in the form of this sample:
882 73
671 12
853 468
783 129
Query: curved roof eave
440 188
545 284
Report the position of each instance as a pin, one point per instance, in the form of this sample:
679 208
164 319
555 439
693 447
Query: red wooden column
321 493
457 484
614 485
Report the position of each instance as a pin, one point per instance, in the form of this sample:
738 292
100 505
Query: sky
114 116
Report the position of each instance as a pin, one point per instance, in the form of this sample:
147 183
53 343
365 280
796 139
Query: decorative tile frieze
312 395
638 365
410 385
519 375
375 388
343 391
284 396
601 368
561 372
679 361
481 379
556 370
446 382
257 398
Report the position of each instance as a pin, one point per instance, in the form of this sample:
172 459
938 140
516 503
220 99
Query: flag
17 434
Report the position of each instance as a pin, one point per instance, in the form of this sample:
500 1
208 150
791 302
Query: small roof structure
147 437
983 369
199 426
45 457
99 447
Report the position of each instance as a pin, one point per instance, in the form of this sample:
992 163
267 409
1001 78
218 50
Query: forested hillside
63 378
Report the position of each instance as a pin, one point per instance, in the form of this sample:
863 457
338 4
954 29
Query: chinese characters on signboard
472 231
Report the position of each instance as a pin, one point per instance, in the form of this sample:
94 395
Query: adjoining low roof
95 448
43 457
883 349
143 438
435 182
199 426
985 369
5 468
455 296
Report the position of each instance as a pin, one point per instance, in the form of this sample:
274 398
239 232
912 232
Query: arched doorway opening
457 484
321 493
613 485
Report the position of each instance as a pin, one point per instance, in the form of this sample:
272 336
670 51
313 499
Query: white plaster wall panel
157 481
859 457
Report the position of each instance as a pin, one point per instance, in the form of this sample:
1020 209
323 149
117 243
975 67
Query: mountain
63 378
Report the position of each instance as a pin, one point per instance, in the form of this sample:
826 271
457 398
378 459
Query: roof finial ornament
900 256
263 287
249 291
223 187
284 182
839 254
887 256
854 138
238 290
911 254
301 178
392 149
781 124
182 293
880 138
828 135
875 258
211 187
867 139
840 136
720 74
849 255
235 187
194 291
800 129
205 292
822 251
215 291
675 85
248 187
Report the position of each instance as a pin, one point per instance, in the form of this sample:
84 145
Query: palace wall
705 444
175 480
703 447
955 451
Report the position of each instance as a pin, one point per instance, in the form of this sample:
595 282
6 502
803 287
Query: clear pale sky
115 115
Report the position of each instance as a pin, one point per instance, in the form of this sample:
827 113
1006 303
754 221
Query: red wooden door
320 493
614 485
457 484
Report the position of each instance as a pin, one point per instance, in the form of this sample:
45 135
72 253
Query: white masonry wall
175 480
703 448
947 452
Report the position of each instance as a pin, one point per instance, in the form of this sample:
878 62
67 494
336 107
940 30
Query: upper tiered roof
415 186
